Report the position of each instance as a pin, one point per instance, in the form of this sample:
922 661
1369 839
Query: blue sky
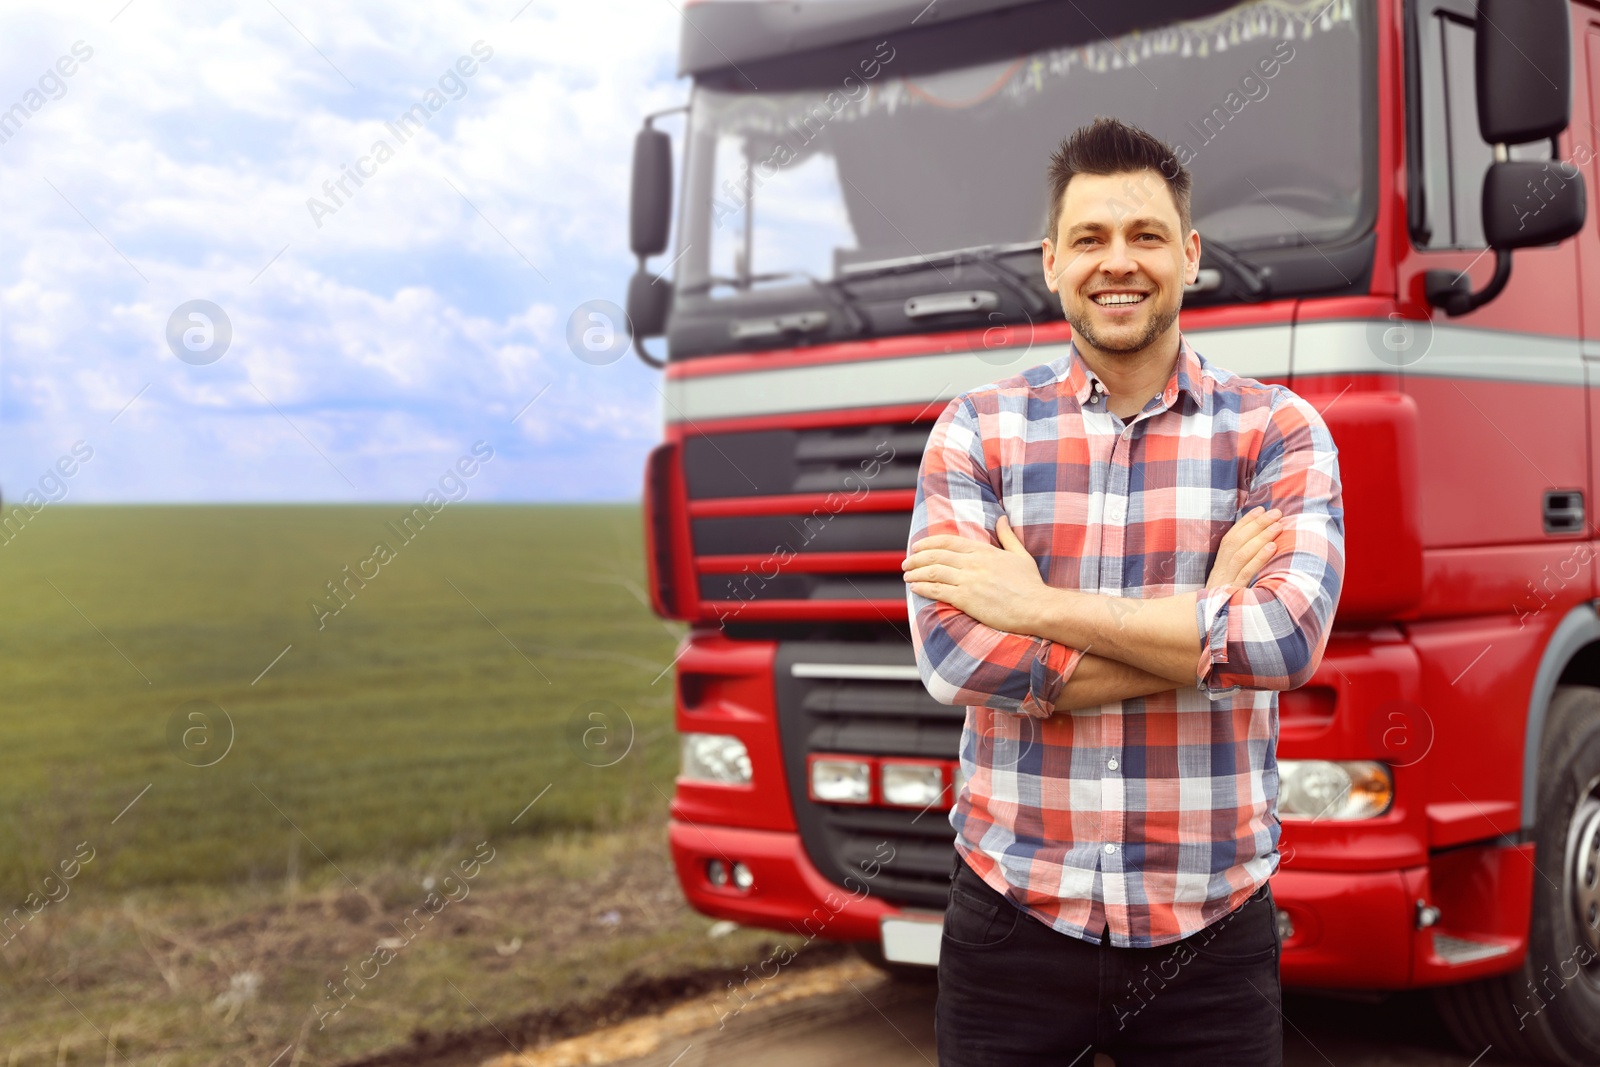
375 338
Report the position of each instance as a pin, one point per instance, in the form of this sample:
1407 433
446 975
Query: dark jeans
1015 993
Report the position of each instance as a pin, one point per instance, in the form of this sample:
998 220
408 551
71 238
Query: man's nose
1117 260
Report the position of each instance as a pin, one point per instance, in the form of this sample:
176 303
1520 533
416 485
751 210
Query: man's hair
1110 146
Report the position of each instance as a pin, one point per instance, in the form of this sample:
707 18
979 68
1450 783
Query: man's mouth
1118 298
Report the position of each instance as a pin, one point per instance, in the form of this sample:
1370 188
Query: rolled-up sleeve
1272 633
963 661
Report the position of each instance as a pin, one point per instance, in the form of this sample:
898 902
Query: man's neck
1132 378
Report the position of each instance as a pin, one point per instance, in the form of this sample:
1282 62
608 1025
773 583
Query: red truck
857 242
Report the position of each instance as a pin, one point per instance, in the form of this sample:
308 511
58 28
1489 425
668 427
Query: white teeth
1112 299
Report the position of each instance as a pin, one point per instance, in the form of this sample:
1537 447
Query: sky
354 343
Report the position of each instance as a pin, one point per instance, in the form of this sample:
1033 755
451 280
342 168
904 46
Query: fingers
1246 529
1254 554
1248 571
1246 549
933 572
928 557
944 549
1008 536
1247 521
1252 547
949 542
1256 517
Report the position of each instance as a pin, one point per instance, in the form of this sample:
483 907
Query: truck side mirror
648 301
649 225
1523 54
1532 203
1524 70
651 207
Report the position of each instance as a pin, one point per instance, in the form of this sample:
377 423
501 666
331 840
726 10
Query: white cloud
405 327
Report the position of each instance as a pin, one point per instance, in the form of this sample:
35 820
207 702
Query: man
1119 824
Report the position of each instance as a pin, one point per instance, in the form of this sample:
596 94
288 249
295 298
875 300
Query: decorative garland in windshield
1266 20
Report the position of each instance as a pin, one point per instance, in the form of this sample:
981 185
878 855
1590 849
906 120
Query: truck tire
909 973
1549 1008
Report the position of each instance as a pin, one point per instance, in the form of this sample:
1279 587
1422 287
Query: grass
545 925
449 694
439 702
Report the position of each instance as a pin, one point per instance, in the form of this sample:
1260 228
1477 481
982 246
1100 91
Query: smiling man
1096 573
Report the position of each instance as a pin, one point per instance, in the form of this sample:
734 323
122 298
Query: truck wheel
909 973
1549 1008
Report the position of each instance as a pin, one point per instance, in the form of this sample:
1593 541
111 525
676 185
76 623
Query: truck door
1585 120
1500 391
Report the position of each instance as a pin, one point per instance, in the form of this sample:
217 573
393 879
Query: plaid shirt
1152 817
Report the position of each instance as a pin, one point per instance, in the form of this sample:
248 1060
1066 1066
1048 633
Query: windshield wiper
1032 302
836 295
1256 281
1252 282
841 300
986 256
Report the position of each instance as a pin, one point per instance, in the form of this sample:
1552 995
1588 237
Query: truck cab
1391 198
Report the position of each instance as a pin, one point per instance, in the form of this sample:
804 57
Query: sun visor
725 33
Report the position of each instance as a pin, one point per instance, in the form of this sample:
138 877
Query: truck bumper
1350 930
788 894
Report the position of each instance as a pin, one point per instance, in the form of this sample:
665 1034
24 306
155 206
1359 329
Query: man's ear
1047 261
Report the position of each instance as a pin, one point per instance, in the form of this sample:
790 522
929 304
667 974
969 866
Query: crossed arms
989 631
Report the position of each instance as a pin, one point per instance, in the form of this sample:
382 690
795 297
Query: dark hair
1110 146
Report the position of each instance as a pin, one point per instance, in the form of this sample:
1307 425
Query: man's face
1119 260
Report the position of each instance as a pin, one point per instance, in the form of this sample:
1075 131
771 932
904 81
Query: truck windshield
1263 103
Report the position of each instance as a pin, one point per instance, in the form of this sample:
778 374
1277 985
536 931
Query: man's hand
999 587
1245 549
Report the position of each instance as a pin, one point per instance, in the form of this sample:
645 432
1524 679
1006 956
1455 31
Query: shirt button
1110 849
1112 763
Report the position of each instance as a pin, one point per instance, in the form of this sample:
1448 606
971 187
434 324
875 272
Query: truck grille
887 716
772 462
817 517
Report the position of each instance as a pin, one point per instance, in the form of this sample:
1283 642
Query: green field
424 711
448 694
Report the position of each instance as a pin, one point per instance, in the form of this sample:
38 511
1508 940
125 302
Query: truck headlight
1336 790
714 758
841 781
912 785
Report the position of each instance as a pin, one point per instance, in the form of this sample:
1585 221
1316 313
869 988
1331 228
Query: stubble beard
1159 324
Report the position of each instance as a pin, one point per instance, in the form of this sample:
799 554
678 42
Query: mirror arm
1452 290
649 120
649 360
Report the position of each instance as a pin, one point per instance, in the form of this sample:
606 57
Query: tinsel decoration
1266 20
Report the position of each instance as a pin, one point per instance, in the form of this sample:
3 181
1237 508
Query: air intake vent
776 462
660 517
867 531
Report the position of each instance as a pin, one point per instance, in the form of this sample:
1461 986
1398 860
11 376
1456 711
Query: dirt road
847 1015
